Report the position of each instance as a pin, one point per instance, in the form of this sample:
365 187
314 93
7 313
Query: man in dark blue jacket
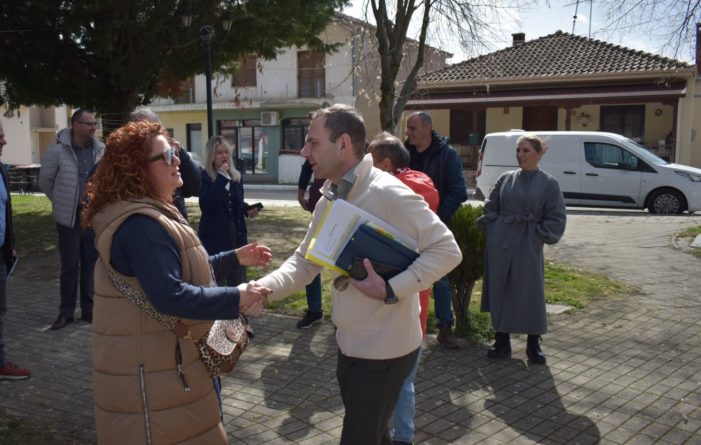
8 371
430 153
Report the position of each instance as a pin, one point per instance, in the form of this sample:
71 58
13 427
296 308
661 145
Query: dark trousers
370 389
314 295
3 306
78 257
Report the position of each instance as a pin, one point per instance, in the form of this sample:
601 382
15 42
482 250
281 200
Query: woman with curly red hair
149 385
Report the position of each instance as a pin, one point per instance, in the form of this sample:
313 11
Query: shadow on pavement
303 385
526 399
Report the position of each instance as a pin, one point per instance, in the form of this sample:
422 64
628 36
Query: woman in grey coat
525 210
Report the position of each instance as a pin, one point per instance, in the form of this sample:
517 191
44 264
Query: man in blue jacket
8 371
430 153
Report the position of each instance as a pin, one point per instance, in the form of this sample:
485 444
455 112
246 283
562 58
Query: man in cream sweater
378 331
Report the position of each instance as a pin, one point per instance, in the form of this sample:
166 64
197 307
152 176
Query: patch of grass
575 287
282 229
35 229
563 285
690 232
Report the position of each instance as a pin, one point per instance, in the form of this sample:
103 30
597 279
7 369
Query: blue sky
543 20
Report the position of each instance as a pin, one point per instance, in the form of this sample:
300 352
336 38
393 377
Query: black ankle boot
533 351
502 346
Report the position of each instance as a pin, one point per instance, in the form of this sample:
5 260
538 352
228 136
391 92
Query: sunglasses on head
167 156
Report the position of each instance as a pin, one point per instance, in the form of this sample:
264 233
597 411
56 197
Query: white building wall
30 132
277 79
18 136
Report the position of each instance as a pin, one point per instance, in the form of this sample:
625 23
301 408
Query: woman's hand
174 143
253 310
252 298
252 212
254 255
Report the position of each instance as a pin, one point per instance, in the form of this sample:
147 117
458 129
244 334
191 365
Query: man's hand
254 255
373 285
252 298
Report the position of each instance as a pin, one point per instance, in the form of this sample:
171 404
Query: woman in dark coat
524 211
223 225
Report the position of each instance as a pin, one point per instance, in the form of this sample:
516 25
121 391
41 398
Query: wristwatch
390 298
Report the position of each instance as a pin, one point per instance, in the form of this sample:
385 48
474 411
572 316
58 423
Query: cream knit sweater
368 328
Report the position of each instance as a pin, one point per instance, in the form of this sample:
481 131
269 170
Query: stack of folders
388 256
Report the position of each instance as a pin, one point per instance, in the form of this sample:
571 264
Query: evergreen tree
110 55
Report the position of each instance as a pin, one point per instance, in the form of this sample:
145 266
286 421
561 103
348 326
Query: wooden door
540 118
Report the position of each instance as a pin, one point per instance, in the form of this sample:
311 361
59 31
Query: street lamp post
206 34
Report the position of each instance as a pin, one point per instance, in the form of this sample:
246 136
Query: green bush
471 241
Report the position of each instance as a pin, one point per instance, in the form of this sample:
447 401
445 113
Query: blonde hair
535 141
210 152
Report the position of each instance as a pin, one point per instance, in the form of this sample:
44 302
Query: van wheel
666 202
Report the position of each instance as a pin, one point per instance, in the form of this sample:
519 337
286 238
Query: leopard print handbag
220 348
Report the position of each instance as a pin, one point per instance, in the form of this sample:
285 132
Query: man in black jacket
8 371
430 153
314 312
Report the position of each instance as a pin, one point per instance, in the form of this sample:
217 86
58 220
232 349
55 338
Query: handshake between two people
253 297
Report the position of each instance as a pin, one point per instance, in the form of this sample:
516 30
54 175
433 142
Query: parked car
597 169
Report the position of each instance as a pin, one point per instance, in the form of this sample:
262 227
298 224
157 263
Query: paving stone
623 371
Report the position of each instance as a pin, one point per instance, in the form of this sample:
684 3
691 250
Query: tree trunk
461 296
118 112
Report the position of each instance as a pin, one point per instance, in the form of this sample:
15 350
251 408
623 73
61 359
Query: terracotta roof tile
556 55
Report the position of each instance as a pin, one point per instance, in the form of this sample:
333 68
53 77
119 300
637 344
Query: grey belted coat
525 210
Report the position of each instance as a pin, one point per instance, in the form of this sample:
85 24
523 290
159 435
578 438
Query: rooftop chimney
519 38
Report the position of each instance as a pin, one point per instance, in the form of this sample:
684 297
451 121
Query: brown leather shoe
61 322
447 338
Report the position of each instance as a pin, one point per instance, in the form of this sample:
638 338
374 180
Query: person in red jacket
390 155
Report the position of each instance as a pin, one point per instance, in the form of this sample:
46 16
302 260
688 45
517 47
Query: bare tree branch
466 20
673 22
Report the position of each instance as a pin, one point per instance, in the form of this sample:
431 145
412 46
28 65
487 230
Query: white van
597 169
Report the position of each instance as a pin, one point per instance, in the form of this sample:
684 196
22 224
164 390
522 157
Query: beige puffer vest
139 397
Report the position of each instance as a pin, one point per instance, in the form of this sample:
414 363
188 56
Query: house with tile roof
568 82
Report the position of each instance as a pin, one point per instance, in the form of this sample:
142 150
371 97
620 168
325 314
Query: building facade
263 108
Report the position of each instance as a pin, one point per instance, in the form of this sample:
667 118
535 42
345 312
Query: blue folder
388 257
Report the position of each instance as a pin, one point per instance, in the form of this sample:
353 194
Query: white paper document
339 222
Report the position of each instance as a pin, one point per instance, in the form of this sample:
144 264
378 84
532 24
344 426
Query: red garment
424 298
422 185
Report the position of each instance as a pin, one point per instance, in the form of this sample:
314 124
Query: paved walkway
619 372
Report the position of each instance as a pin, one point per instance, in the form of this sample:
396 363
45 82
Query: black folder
388 257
